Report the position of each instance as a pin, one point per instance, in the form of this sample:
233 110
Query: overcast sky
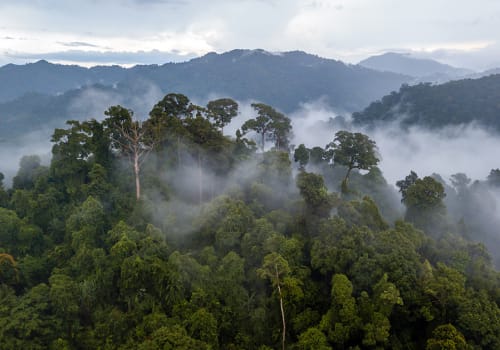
460 32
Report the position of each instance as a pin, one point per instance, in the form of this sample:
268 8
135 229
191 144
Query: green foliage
270 124
312 188
424 203
362 213
312 339
252 263
354 151
301 155
405 184
222 111
446 337
454 103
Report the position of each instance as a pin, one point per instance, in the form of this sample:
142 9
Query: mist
88 103
468 149
35 143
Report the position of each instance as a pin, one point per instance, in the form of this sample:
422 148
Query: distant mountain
282 80
485 73
433 106
46 78
422 69
44 94
41 113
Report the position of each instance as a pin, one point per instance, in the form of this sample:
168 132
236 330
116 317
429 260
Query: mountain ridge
45 93
223 69
423 69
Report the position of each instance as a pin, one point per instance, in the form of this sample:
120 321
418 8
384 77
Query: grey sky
460 32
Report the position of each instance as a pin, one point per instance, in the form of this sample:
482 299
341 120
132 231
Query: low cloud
103 57
468 149
78 44
35 143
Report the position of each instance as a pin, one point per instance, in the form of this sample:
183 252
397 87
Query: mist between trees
164 233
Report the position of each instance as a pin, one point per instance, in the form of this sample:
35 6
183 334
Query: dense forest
165 234
454 103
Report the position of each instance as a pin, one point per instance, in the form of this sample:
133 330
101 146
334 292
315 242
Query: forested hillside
165 234
285 79
47 78
42 94
434 106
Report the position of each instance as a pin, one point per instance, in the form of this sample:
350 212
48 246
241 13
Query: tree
275 268
177 105
4 197
130 139
342 320
87 224
446 337
301 155
70 155
270 124
205 142
424 203
281 129
317 156
25 178
166 123
313 190
404 184
64 296
9 273
494 177
222 111
354 151
313 339
460 181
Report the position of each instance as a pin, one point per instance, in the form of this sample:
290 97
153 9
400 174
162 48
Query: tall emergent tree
274 268
354 151
424 204
271 125
222 111
406 183
129 138
301 155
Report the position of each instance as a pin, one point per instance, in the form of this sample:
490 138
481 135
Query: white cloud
345 29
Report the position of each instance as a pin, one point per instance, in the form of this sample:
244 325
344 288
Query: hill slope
453 103
46 78
423 69
42 94
284 80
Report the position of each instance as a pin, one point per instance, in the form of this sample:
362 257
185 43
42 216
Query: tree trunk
200 180
346 179
137 180
282 309
179 151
